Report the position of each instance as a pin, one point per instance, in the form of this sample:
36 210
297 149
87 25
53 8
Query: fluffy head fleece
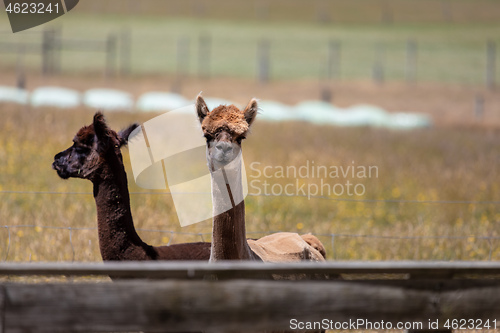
227 117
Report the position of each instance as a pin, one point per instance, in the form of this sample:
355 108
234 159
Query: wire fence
206 237
335 243
465 202
71 230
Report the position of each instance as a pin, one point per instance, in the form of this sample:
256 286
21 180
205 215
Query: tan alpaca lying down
287 247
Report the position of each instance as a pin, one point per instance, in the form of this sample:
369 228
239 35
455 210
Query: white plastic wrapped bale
367 115
409 121
13 95
55 96
157 101
275 111
321 113
108 99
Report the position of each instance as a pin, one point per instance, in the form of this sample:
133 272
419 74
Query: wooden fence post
263 61
46 50
125 49
204 56
55 51
21 78
379 63
333 62
182 56
435 275
411 61
110 55
182 62
54 59
491 55
326 94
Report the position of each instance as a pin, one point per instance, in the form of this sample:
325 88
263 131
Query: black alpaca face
224 128
81 159
93 148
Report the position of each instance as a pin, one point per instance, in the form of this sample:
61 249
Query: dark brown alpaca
95 155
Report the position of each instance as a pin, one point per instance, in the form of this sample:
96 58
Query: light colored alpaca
224 129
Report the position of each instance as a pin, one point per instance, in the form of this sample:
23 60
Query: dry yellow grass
438 164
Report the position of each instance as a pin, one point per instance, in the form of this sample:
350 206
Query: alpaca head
224 128
95 149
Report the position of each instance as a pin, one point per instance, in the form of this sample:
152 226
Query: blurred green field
436 164
447 51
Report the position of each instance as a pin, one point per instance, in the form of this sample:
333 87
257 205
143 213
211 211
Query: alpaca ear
251 111
101 130
201 108
124 134
100 126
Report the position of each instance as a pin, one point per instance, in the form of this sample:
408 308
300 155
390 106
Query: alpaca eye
208 137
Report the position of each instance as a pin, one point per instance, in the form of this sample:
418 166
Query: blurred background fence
48 47
204 55
335 40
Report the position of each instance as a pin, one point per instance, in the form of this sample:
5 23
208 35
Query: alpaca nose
57 157
56 165
60 157
224 147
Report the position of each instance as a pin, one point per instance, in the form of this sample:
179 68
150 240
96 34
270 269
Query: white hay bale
404 120
108 99
13 95
55 96
157 101
275 111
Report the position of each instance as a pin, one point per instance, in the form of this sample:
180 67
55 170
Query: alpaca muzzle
60 169
223 153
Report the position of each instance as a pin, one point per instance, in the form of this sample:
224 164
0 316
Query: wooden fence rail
189 298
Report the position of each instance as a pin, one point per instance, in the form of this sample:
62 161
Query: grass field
455 161
440 164
447 51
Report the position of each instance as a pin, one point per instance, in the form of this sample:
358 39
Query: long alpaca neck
118 239
228 234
